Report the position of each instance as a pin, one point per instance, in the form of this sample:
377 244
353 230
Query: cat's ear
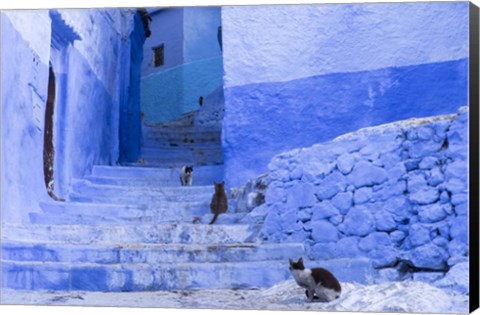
290 261
300 260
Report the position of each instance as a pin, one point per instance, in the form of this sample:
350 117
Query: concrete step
183 136
179 152
83 190
174 129
175 145
142 233
183 155
185 121
149 217
83 185
197 159
181 131
142 277
149 253
150 173
172 180
98 213
176 163
169 210
181 143
132 198
58 276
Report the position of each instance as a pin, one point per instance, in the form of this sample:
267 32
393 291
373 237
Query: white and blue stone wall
303 74
396 194
174 89
90 89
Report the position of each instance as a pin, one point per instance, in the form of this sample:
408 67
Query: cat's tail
214 218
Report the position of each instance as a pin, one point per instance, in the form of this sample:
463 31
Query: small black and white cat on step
186 175
320 283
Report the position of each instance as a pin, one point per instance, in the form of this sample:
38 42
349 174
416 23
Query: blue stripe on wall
264 119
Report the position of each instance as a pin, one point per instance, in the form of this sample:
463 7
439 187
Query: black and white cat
186 175
320 283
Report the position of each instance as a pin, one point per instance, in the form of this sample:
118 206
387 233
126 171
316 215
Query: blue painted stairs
177 145
134 228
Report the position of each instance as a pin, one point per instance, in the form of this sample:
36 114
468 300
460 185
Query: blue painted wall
168 94
167 29
298 75
200 32
22 116
130 118
283 43
170 91
88 98
211 113
161 95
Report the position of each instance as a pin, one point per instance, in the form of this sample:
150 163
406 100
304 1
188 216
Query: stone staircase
134 228
180 143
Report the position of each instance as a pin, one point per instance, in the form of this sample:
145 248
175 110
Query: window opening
159 55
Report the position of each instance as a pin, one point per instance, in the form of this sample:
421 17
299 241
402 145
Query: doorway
48 147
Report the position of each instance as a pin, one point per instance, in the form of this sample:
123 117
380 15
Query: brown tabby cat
219 202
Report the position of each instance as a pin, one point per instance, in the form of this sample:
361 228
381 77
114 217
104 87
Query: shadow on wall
130 110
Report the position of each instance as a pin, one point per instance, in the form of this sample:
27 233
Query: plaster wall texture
283 43
130 109
193 62
168 94
33 35
20 125
167 29
396 194
200 33
299 75
211 113
101 32
88 94
200 79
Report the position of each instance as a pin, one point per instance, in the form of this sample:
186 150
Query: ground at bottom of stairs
406 297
